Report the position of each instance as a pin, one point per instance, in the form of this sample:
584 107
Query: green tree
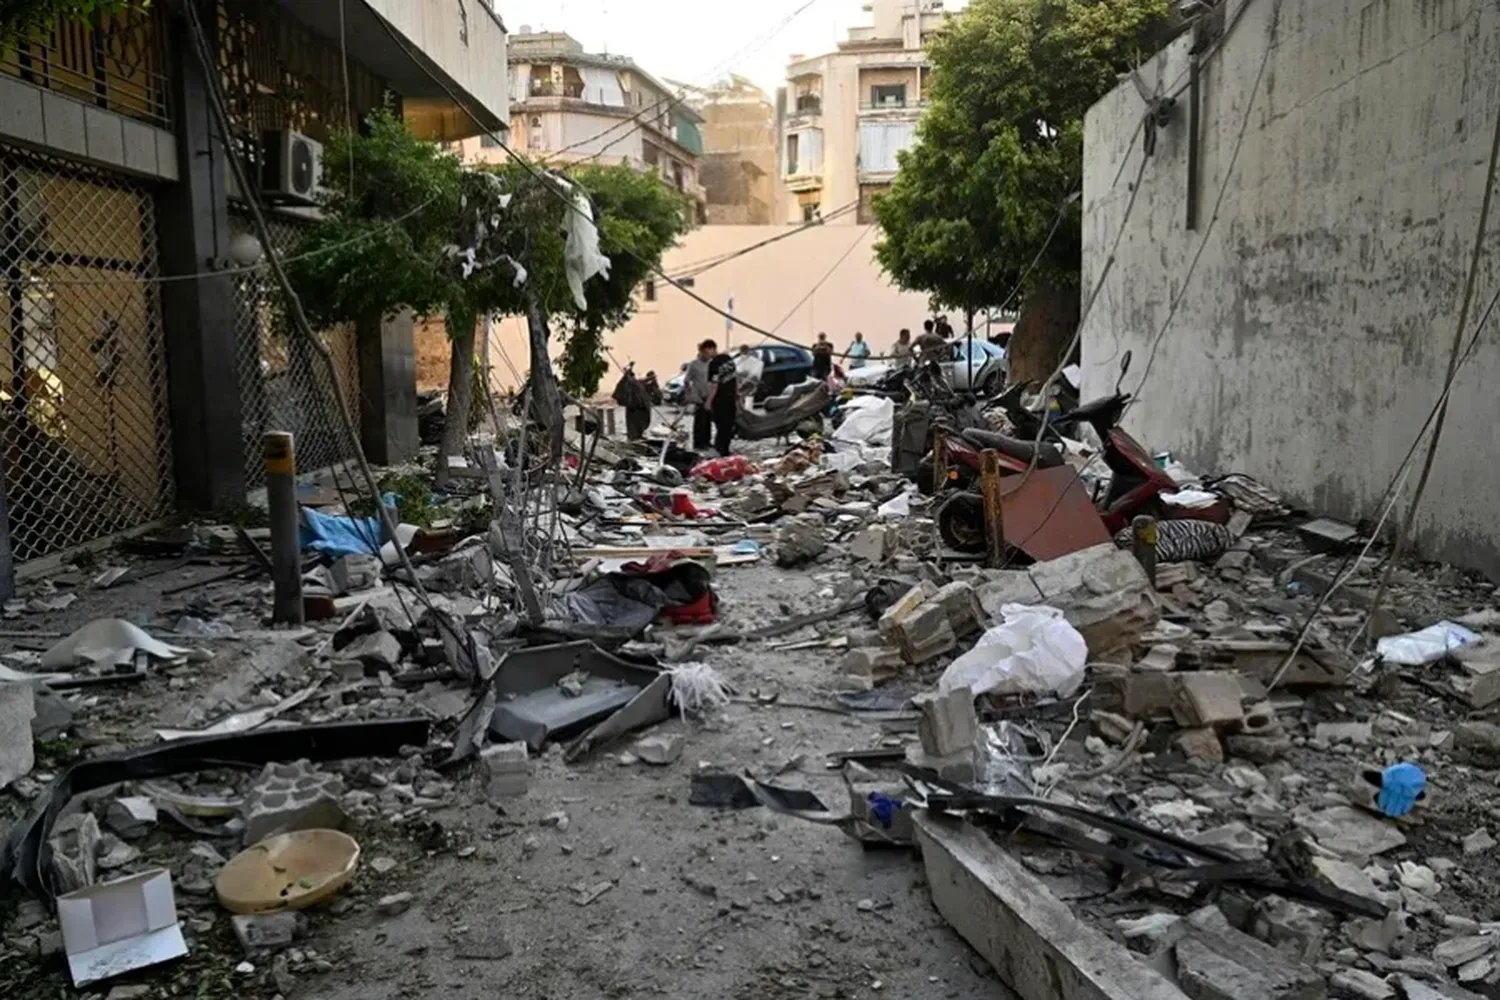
25 17
407 226
999 151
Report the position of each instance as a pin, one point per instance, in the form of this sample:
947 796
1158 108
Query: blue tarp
339 535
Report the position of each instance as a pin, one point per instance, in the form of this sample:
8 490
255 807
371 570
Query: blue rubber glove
1399 787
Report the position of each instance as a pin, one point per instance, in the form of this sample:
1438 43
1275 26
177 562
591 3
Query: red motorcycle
1135 487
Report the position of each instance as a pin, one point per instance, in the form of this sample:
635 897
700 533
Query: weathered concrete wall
1311 342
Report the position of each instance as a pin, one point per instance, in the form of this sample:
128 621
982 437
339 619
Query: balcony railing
114 61
907 105
550 89
809 104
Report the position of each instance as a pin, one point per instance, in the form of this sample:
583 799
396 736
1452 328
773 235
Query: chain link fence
83 385
283 383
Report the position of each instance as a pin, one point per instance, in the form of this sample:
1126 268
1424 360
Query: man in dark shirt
723 400
822 353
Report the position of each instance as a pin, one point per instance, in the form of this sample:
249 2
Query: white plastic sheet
107 641
868 420
581 257
1190 498
1428 645
897 508
1033 651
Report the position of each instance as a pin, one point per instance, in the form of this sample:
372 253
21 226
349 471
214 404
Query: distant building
845 115
571 106
739 163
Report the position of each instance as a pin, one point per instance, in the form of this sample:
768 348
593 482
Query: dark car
784 366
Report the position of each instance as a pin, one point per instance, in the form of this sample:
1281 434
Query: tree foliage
26 17
407 226
1000 147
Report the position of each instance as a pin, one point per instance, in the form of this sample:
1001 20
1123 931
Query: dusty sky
695 41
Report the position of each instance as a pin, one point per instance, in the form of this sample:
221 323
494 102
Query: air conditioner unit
293 167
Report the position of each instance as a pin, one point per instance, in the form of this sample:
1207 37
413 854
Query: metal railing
83 377
283 385
112 60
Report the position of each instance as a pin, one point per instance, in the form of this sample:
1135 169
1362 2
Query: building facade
845 115
572 106
1291 276
141 358
739 163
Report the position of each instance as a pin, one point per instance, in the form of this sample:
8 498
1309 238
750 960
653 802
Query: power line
821 281
698 267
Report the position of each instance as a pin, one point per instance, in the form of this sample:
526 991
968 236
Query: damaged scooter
1136 484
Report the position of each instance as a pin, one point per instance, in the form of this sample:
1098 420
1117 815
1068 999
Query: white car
975 365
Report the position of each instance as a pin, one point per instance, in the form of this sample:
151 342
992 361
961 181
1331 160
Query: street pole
286 549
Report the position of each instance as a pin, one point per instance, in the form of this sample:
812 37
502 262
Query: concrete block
873 663
465 569
1208 699
872 544
957 766
937 643
21 111
946 723
289 797
264 931
905 605
509 768
961 605
63 120
17 709
106 141
1148 695
900 828
1201 744
1217 962
660 750
1031 938
378 649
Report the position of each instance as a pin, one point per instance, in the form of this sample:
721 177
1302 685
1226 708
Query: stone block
1148 695
1208 699
875 663
957 766
1002 587
264 931
1201 743
936 643
509 769
905 605
1217 962
288 797
961 605
873 544
946 723
379 649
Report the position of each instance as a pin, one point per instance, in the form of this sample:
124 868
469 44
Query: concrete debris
660 750
799 542
265 931
1462 950
131 817
509 769
946 723
288 797
1217 962
377 649
17 709
1361 985
395 904
1355 835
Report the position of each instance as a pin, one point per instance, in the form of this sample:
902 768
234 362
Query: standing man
822 353
723 401
901 351
858 351
631 394
695 384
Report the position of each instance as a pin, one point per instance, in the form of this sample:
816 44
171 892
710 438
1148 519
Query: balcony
808 104
546 88
804 179
909 109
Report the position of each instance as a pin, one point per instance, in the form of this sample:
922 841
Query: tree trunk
1049 318
544 400
460 398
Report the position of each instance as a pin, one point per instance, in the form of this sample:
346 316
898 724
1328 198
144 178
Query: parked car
976 365
781 366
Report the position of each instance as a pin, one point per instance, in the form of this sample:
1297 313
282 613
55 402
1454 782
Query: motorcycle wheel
960 522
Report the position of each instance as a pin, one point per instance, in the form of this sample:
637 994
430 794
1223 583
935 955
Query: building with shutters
844 116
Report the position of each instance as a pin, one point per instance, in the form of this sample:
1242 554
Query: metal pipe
286 550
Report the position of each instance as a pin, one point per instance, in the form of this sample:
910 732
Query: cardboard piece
114 927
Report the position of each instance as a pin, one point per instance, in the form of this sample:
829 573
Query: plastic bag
1428 645
1033 651
868 420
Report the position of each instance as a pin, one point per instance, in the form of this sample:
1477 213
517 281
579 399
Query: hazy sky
695 41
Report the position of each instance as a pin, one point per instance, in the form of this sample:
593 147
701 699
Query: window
891 95
810 211
650 292
791 154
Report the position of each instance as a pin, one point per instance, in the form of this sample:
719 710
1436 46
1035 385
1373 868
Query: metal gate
283 383
85 432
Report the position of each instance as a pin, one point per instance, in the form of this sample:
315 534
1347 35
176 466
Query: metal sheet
1049 514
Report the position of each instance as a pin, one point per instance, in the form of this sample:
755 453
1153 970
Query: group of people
935 334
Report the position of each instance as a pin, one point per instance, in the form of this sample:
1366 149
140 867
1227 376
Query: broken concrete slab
1352 833
378 649
1217 962
873 544
961 605
1030 937
17 709
660 750
946 723
294 796
131 816
1208 699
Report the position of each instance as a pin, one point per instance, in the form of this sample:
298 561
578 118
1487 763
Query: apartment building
846 114
572 106
142 353
739 163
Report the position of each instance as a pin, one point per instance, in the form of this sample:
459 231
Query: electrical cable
866 231
695 268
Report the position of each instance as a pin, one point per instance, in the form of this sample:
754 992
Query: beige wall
478 65
766 284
